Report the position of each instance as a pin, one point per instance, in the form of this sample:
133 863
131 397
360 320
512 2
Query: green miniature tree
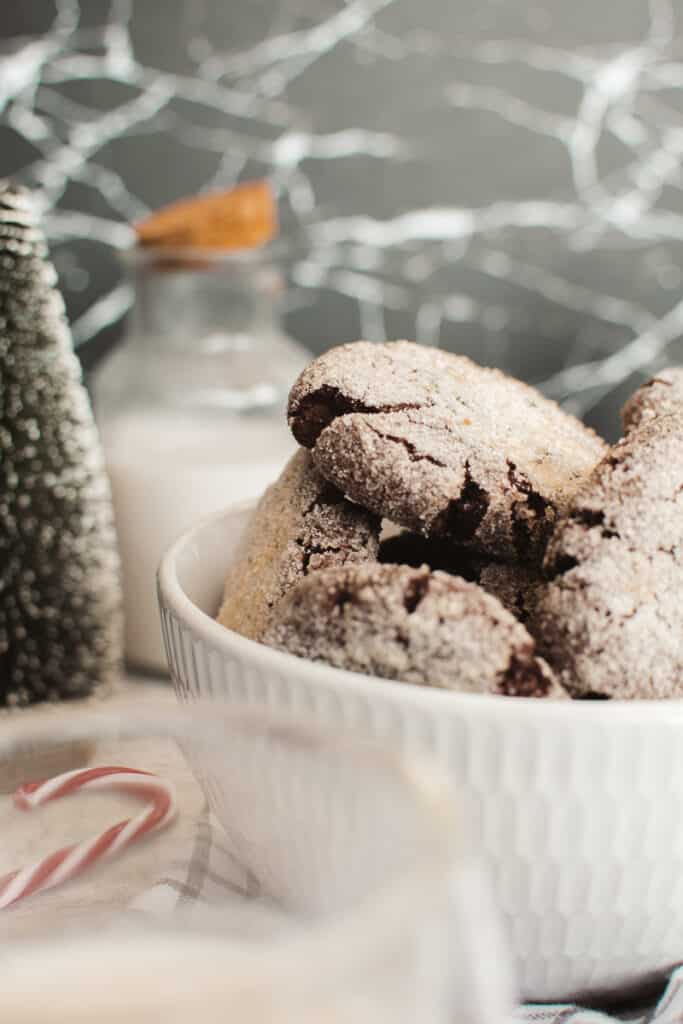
59 574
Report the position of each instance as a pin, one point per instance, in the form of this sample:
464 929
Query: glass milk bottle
191 409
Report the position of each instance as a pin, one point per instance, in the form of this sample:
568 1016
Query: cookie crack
325 498
520 482
564 562
522 612
560 566
309 550
463 515
410 448
523 677
415 591
534 510
591 517
343 597
315 411
671 552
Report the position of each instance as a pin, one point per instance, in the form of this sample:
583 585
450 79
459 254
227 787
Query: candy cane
72 860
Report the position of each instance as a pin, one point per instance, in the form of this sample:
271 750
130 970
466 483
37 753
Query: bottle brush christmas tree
59 585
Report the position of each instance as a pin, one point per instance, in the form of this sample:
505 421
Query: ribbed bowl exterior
575 807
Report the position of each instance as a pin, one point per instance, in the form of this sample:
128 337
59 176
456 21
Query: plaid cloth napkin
208 875
667 1010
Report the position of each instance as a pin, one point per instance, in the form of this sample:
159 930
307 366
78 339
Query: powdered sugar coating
302 524
611 619
413 625
657 397
434 442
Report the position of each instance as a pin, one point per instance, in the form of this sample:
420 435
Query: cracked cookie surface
660 395
611 620
438 444
301 524
411 625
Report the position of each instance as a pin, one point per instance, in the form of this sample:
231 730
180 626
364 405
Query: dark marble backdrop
502 177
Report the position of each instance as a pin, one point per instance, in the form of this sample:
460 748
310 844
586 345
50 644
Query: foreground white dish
576 807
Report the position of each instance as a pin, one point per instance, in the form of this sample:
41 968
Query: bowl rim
326 677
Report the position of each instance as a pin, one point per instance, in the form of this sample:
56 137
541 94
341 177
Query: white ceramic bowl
577 807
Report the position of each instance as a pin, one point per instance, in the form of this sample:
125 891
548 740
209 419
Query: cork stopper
239 218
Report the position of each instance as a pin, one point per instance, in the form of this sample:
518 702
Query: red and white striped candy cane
72 860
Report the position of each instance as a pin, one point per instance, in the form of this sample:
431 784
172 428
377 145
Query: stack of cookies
446 525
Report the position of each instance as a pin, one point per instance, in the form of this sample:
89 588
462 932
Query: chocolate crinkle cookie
412 625
302 524
438 444
659 396
514 584
610 620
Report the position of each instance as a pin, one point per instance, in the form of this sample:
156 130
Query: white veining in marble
594 250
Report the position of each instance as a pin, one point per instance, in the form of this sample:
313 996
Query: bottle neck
203 335
218 305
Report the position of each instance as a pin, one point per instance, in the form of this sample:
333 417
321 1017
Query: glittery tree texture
59 589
